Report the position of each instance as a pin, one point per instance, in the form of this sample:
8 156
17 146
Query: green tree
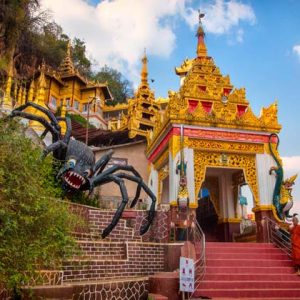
120 87
81 62
35 228
16 16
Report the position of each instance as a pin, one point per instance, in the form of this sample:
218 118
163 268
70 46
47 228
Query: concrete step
241 255
252 277
247 263
253 293
242 284
249 270
239 245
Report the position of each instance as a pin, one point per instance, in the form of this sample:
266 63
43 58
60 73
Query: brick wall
128 227
124 256
124 253
139 259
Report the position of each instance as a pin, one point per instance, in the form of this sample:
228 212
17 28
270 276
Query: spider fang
74 179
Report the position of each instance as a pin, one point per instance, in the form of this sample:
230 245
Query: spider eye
87 172
71 163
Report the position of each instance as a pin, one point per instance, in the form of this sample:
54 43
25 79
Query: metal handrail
200 263
278 236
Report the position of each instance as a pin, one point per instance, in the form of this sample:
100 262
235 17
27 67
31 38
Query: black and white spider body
77 169
80 171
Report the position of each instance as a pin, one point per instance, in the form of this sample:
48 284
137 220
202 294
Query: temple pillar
266 181
261 223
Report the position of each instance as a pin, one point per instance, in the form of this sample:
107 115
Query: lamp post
97 100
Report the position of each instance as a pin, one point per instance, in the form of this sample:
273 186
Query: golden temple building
225 146
64 87
141 114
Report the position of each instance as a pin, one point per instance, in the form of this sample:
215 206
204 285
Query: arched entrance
223 204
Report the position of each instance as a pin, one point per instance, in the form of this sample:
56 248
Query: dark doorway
207 217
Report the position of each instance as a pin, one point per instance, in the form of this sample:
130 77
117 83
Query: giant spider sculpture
79 171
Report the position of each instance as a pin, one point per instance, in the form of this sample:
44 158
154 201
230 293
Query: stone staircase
114 268
248 270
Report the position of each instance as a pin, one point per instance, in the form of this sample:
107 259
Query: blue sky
256 42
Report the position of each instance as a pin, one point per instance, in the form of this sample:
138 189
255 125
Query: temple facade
64 88
209 126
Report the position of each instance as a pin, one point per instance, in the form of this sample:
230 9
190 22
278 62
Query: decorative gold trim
262 208
192 204
163 158
175 144
230 220
232 147
163 173
246 162
267 208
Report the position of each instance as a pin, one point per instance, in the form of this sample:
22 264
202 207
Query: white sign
187 274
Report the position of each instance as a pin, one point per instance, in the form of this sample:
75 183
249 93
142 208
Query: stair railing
200 263
278 236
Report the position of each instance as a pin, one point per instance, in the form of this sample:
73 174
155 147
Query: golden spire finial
41 87
144 72
67 66
69 48
31 91
63 115
201 48
7 103
24 94
40 99
19 99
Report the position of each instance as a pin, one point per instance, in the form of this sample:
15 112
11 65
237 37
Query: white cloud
117 31
291 165
296 49
222 16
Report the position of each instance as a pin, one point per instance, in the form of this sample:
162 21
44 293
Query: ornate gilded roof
143 109
184 67
207 98
67 67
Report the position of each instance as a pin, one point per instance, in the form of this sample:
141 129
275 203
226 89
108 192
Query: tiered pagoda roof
207 98
142 109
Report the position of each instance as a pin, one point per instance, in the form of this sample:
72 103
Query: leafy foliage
81 120
28 37
81 62
120 87
16 17
84 199
35 229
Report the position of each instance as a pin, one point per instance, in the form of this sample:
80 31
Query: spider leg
151 212
139 187
121 207
102 162
53 147
39 119
47 112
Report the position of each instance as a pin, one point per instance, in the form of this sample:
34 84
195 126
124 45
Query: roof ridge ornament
201 16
